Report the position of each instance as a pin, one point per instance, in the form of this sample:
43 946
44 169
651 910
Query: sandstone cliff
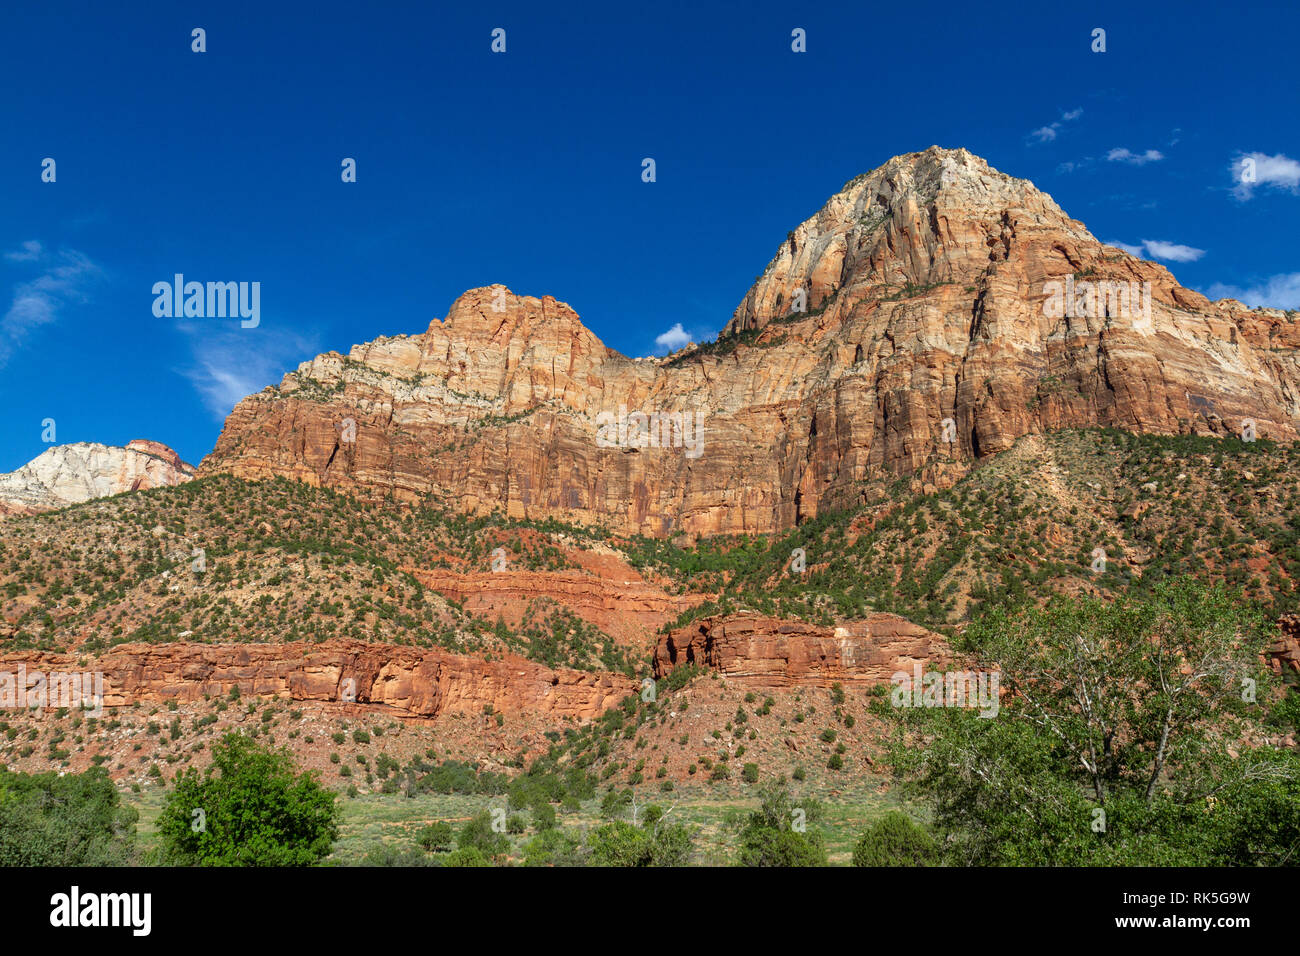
770 653
627 609
927 294
410 682
70 474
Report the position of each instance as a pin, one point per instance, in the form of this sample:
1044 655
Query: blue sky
525 167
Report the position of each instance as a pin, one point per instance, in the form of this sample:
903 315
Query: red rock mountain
933 288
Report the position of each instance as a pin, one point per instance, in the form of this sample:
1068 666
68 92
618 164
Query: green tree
74 820
777 834
1122 738
254 809
894 840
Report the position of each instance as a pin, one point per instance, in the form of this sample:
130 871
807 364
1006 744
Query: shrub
76 819
770 836
614 803
435 838
894 840
466 856
653 844
477 834
543 816
553 847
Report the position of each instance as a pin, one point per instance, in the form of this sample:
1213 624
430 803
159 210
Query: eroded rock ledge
765 652
412 682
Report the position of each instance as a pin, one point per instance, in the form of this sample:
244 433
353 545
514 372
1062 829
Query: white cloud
230 364
1278 292
1071 166
672 340
1132 250
1045 134
1171 251
1121 155
1280 172
63 279
1158 249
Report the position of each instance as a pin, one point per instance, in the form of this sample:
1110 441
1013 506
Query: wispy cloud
230 364
64 277
1171 251
1159 249
1277 292
29 251
1130 248
1259 169
1072 166
672 340
1045 134
1121 155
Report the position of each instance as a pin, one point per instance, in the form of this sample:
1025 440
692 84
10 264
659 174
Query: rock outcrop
627 610
930 314
1283 652
409 682
70 474
762 652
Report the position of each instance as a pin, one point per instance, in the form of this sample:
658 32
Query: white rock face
70 474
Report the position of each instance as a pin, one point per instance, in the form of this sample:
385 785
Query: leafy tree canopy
72 820
1128 734
254 808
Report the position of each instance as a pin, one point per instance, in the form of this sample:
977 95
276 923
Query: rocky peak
496 313
70 474
921 219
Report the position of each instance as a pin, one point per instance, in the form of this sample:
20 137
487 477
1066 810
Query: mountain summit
70 474
933 218
930 314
